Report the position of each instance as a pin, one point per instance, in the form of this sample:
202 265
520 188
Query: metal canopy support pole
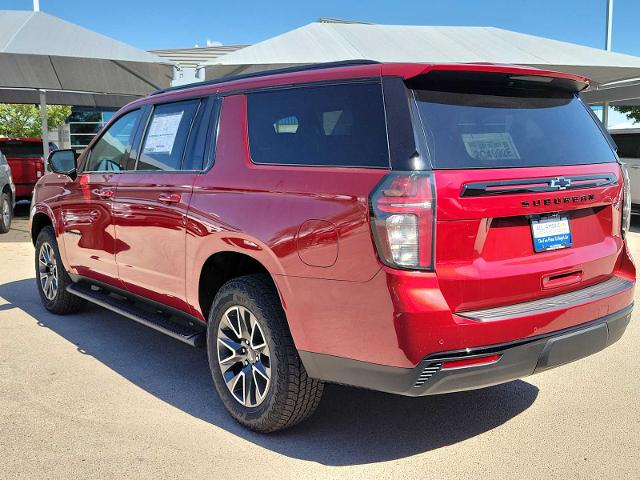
607 39
607 45
36 5
44 121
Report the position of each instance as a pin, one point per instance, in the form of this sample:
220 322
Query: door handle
104 193
169 197
562 279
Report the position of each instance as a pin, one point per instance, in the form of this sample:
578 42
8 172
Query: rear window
492 126
332 125
628 144
18 149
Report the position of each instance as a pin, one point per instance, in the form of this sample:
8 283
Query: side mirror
63 162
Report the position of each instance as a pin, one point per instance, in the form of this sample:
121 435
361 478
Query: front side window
109 153
332 125
167 135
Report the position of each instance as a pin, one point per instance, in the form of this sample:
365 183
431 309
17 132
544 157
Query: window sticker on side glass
162 133
490 146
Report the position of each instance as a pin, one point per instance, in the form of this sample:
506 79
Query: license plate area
550 232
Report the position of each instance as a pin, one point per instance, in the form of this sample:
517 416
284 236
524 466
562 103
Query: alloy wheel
48 271
6 212
243 356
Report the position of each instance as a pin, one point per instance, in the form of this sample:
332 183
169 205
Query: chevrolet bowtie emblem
560 183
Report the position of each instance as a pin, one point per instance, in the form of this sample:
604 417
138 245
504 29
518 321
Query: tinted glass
510 128
167 136
20 149
206 120
107 155
333 125
628 144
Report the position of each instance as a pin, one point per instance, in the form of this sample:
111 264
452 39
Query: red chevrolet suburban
410 228
26 160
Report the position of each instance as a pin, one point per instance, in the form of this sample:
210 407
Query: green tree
632 113
23 120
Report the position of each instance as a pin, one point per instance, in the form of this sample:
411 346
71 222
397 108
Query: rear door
528 190
152 200
26 162
87 202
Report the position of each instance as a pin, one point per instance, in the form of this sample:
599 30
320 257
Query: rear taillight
626 200
39 168
403 220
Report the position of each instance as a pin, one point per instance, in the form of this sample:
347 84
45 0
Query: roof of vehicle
20 139
349 69
615 131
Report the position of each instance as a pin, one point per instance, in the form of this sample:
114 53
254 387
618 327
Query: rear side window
167 134
628 144
20 149
491 126
333 125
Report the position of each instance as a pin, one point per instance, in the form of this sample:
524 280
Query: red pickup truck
26 161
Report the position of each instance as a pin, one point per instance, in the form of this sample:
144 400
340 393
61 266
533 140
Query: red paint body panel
86 225
149 215
494 262
310 228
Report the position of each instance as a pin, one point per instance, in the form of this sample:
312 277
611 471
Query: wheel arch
7 189
222 266
38 222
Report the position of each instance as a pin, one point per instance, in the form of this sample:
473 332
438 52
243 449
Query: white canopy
618 93
75 65
45 58
328 42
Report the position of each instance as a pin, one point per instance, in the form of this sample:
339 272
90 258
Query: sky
155 24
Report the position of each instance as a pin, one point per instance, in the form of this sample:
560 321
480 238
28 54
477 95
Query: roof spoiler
459 73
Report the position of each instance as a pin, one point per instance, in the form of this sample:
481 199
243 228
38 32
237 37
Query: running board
129 309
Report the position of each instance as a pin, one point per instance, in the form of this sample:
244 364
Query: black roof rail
265 73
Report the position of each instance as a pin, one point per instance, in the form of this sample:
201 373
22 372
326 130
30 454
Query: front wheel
254 363
6 212
51 277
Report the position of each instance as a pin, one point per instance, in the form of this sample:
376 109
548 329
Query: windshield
20 149
493 129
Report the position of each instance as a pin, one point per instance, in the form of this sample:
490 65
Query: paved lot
95 395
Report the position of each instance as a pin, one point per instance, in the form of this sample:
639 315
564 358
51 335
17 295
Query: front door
86 204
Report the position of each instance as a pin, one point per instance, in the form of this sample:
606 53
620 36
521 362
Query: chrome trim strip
589 294
537 185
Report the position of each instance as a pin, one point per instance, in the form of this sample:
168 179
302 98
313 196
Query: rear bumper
24 191
517 359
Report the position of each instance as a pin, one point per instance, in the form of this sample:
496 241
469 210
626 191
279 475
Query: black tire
291 396
62 302
5 207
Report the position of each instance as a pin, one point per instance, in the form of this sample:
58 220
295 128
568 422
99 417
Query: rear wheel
51 277
6 212
255 366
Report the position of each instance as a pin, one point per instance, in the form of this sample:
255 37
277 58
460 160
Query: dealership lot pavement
94 395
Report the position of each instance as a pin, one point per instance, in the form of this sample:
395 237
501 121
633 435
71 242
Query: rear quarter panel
297 221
